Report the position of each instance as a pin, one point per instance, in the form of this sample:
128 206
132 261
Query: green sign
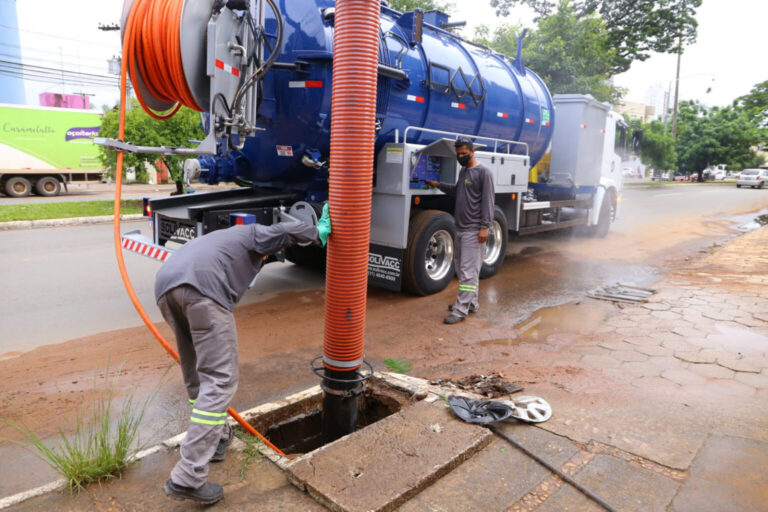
61 138
545 115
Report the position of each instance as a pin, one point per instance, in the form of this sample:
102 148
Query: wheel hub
493 244
439 255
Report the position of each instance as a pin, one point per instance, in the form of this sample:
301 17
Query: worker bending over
197 290
473 215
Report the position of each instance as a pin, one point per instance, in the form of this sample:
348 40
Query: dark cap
464 141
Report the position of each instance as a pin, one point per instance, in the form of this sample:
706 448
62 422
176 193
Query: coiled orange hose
356 49
150 13
153 50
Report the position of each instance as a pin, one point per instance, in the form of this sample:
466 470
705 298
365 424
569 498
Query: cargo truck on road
42 149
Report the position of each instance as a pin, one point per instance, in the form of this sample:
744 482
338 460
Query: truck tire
311 256
496 246
428 262
18 186
607 214
48 186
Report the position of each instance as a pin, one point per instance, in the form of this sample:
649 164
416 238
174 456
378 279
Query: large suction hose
353 115
146 15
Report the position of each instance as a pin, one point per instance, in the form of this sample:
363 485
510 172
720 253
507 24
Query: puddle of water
741 339
570 318
749 223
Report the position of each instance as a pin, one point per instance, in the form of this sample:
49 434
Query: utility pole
677 87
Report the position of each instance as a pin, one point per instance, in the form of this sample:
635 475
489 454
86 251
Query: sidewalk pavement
664 407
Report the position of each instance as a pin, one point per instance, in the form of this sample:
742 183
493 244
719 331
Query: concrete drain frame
407 439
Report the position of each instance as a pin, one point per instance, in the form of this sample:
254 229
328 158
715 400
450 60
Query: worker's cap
462 141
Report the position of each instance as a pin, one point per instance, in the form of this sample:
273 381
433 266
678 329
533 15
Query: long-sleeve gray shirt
474 193
222 264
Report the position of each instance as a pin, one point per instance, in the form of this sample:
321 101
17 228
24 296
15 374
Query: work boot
453 319
221 448
207 494
472 308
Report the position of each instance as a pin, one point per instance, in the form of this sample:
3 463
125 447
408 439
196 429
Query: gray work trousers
468 259
207 342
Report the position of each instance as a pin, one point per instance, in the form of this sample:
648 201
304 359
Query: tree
141 129
424 5
717 135
635 27
755 104
658 149
571 54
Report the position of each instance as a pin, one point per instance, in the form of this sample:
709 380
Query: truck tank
429 78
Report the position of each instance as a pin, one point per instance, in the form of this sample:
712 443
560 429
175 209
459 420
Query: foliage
97 450
635 27
717 135
66 210
755 104
424 5
398 365
571 54
143 130
658 148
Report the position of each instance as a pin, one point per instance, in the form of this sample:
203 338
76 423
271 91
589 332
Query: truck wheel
738 186
311 256
428 262
760 185
607 214
48 186
496 246
18 187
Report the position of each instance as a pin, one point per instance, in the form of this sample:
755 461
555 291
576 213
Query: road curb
74 221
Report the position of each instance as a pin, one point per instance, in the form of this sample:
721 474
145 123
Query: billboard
39 138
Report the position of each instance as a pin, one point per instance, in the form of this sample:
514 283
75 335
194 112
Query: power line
99 43
58 71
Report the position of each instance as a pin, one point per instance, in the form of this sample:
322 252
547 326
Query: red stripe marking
235 71
313 84
219 64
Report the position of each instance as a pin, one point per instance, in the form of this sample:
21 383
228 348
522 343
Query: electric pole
677 87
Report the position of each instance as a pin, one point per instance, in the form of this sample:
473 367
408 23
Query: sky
726 59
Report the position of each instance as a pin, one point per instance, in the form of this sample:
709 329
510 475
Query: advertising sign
48 138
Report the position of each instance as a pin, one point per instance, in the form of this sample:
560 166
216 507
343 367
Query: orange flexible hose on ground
353 114
134 31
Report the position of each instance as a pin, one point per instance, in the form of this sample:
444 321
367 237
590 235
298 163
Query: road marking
670 194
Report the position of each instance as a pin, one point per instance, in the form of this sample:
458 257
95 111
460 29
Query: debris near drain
490 386
622 293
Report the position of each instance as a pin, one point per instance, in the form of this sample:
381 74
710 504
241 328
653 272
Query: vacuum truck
262 77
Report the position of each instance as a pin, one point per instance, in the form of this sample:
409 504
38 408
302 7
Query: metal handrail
457 134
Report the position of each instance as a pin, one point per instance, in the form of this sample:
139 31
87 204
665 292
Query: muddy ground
47 387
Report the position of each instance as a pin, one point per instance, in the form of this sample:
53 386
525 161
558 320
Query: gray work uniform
197 290
474 193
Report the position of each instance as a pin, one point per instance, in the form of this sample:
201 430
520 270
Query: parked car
755 178
718 175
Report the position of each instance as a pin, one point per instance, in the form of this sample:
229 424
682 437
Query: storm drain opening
295 427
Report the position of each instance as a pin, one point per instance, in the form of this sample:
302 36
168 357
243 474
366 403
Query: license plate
176 230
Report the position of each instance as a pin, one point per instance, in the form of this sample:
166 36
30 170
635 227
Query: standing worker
473 214
197 290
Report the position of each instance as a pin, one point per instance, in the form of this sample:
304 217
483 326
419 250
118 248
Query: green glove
324 225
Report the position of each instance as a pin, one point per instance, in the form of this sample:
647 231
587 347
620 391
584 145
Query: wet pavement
658 406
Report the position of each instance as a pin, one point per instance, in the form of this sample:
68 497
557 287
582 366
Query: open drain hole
297 428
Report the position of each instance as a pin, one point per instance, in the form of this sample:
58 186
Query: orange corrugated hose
356 49
143 25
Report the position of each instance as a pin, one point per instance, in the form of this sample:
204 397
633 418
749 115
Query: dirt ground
47 387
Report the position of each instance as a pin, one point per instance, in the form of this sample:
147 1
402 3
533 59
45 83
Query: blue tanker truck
556 161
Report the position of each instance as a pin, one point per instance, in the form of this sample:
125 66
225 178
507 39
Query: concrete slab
503 473
380 467
728 474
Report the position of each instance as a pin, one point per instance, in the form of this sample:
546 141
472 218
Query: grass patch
398 365
100 447
251 453
66 210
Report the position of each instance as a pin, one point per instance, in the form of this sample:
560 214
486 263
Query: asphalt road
63 283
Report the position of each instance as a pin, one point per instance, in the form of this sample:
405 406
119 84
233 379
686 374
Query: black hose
594 497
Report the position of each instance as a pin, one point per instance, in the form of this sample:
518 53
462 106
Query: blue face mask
464 159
